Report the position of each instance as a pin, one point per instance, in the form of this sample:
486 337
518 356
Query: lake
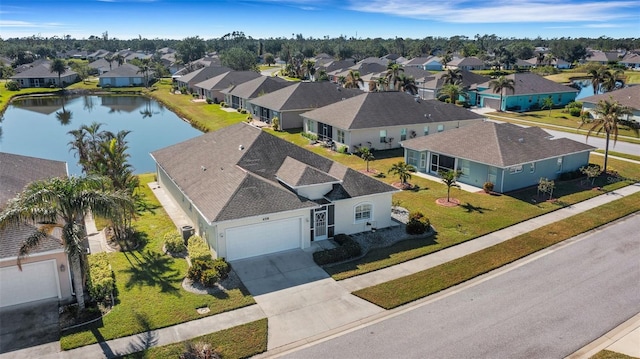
39 127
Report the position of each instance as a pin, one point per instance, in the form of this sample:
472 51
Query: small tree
449 178
546 185
275 123
402 170
547 103
366 155
592 172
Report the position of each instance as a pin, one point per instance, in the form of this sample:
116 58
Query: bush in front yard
101 280
203 271
418 223
347 250
173 242
198 249
223 268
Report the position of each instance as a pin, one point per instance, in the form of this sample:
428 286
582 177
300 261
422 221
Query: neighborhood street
543 308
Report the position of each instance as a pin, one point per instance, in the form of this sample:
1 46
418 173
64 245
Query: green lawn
419 285
607 354
150 294
621 155
6 95
242 341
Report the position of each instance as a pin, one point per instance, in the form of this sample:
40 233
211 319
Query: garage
258 239
36 281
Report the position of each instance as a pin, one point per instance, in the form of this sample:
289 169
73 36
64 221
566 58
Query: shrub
223 104
488 186
418 223
244 111
342 149
101 280
349 249
310 136
203 271
571 175
198 249
12 85
239 109
275 123
575 112
173 242
209 101
222 267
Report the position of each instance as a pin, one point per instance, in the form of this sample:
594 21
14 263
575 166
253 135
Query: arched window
363 212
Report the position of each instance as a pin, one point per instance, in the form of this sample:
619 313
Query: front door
320 225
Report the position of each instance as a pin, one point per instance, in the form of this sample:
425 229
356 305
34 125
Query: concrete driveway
29 325
298 297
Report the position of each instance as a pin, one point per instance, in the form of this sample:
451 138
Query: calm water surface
39 127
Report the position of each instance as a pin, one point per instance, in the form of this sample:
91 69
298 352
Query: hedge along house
509 156
211 88
529 92
45 272
381 120
288 103
250 193
239 96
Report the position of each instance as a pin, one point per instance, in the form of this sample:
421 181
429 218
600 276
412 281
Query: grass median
419 285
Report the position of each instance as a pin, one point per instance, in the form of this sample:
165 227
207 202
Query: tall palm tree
119 59
382 84
309 67
144 69
452 76
402 170
608 117
353 80
407 84
366 155
451 93
63 200
601 79
393 70
110 59
500 84
58 66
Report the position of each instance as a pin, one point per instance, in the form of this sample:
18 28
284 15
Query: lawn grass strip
403 290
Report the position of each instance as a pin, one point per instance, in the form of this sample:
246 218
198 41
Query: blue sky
177 19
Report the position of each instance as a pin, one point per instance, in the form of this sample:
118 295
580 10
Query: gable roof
627 96
227 79
389 108
466 61
42 71
203 74
125 70
497 144
257 87
526 83
244 182
469 79
304 96
296 174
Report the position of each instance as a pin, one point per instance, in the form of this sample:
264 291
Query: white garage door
36 281
263 238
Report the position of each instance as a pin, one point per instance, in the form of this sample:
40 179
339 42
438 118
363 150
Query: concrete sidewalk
188 330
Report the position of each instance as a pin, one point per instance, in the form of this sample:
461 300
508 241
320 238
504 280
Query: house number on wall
265 218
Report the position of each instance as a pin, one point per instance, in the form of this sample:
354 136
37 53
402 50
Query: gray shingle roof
258 87
203 74
227 79
42 71
125 70
304 95
379 109
296 173
243 181
469 79
628 96
497 144
530 83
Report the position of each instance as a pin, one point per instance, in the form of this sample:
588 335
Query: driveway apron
29 325
298 297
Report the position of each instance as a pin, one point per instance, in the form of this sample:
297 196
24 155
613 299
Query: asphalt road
544 308
620 146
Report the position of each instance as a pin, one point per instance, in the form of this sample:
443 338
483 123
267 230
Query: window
340 136
532 167
363 212
515 169
403 134
411 157
311 126
426 130
464 167
559 164
440 128
423 159
383 136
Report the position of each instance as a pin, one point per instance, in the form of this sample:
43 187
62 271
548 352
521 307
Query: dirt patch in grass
451 202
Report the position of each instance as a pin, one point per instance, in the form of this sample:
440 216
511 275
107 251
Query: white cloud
517 11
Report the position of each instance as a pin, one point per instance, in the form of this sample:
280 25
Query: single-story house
265 194
123 76
189 80
529 91
626 96
631 61
509 156
41 76
238 96
288 103
101 66
381 120
210 89
466 63
470 81
429 63
45 272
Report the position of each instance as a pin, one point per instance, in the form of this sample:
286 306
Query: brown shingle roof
497 144
530 83
628 96
257 87
304 95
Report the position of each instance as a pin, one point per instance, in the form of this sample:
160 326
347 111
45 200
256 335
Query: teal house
509 156
529 92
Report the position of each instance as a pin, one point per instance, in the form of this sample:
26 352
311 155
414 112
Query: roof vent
203 168
520 139
241 147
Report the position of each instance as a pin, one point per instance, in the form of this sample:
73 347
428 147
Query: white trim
371 215
33 255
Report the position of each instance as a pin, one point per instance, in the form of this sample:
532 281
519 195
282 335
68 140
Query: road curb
607 339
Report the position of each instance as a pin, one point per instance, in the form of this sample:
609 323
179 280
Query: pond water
586 88
39 127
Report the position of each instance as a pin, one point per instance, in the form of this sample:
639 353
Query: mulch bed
451 203
402 186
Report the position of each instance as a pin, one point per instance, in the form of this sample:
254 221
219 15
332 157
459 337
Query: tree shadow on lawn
562 188
379 254
152 269
471 208
143 341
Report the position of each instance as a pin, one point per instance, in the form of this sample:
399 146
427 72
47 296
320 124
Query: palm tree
451 93
63 116
119 59
144 69
407 84
393 70
58 66
601 79
66 201
402 170
110 60
452 76
353 80
366 155
449 178
309 67
382 84
608 117
547 103
500 84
